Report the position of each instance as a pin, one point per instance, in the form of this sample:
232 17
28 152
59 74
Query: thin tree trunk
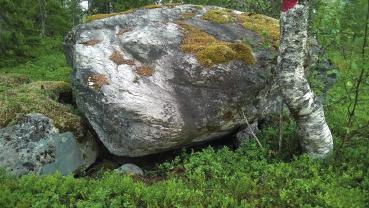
42 5
316 137
360 80
110 7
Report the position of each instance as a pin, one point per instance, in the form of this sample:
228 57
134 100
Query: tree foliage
24 24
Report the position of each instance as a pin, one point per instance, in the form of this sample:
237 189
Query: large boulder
34 145
159 78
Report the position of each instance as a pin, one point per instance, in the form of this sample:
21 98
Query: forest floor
247 176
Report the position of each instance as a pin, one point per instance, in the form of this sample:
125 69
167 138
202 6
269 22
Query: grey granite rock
129 168
33 144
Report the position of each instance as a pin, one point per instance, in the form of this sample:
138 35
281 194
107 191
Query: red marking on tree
288 4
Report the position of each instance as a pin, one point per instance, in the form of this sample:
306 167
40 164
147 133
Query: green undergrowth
246 177
47 67
342 95
39 97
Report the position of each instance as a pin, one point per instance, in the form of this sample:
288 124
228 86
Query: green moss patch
152 6
220 16
103 16
210 51
267 27
40 97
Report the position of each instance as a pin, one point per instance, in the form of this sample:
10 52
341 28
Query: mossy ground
210 51
39 97
35 87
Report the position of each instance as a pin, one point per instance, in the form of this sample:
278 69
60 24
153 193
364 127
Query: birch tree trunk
316 137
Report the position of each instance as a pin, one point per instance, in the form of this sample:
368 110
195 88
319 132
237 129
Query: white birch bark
316 136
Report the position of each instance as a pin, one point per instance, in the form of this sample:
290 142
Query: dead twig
252 132
280 129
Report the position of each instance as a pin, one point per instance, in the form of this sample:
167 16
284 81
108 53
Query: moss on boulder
266 26
210 51
220 16
149 6
103 16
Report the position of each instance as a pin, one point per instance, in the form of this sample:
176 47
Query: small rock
33 144
130 169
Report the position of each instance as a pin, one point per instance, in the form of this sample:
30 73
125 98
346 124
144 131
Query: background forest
31 34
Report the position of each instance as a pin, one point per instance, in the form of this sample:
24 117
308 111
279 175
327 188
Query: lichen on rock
210 51
33 144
